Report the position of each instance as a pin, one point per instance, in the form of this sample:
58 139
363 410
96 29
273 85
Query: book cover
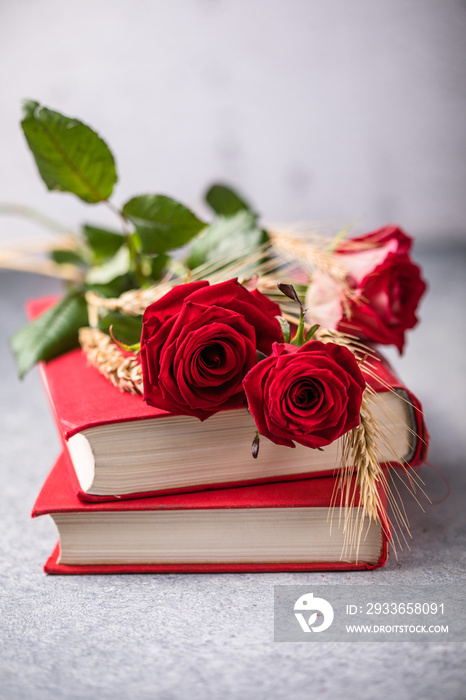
58 497
82 400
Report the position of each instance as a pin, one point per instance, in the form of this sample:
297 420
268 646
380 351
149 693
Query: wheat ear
361 472
123 371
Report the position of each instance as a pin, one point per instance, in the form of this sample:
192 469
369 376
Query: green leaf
52 334
115 287
115 267
225 201
310 334
70 156
286 330
126 329
68 257
162 223
103 243
226 238
158 265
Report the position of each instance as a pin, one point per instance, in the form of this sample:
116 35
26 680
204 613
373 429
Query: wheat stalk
132 303
270 263
123 371
311 251
359 453
360 470
366 476
359 467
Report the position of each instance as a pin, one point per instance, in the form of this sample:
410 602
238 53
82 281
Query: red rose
199 341
311 395
385 289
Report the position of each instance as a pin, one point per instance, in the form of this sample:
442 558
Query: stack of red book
139 490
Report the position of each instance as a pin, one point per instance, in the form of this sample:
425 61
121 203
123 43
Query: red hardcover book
270 527
122 448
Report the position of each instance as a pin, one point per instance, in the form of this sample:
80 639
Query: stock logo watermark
365 613
307 603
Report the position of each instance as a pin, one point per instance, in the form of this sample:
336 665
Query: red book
271 527
122 448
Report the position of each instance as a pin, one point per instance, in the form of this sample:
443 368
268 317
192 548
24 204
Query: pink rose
385 289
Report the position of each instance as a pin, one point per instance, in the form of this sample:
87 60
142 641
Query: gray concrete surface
211 636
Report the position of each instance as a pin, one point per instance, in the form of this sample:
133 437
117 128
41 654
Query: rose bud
310 395
385 288
199 341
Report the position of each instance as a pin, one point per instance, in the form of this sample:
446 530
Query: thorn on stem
255 445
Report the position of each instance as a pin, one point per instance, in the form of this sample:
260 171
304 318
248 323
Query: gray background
341 111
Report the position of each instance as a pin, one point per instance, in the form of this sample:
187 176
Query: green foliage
158 265
286 330
102 242
114 287
311 332
126 329
70 156
226 238
68 257
116 266
53 333
162 223
225 201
